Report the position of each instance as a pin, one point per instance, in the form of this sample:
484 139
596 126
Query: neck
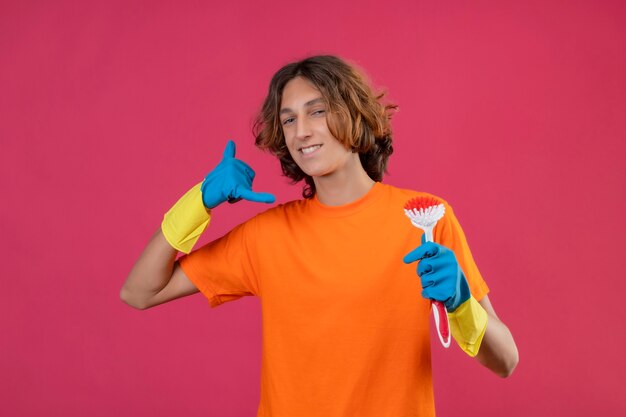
342 188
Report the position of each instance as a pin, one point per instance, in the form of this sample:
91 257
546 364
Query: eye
288 120
318 112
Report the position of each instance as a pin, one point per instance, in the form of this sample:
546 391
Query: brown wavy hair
355 116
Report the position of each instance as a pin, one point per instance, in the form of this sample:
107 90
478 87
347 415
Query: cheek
290 148
293 154
288 140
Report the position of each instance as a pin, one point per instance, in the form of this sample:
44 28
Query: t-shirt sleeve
449 233
223 270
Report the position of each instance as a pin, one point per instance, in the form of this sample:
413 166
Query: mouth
309 149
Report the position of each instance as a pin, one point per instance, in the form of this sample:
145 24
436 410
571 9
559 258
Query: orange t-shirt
345 329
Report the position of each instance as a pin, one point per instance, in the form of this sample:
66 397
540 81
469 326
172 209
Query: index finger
425 250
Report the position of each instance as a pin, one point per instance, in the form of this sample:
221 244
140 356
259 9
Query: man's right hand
231 180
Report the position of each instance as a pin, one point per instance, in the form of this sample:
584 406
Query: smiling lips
310 149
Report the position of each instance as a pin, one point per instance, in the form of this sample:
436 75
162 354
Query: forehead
299 92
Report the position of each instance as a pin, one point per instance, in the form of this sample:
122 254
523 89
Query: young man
345 330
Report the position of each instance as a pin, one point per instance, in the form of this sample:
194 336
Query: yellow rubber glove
468 324
186 220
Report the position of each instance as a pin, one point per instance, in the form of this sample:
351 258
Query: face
303 118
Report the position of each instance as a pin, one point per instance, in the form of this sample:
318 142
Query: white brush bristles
426 218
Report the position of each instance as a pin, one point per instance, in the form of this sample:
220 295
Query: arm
474 325
156 278
498 351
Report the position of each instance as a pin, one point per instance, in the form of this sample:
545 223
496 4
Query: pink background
514 111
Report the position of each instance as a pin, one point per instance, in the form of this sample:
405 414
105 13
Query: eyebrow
307 104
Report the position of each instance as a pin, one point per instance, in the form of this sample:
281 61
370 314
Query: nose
303 128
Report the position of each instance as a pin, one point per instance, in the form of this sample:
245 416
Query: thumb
229 151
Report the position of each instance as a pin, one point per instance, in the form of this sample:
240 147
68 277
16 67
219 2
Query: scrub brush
424 213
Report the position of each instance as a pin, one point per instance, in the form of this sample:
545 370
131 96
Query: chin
312 171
